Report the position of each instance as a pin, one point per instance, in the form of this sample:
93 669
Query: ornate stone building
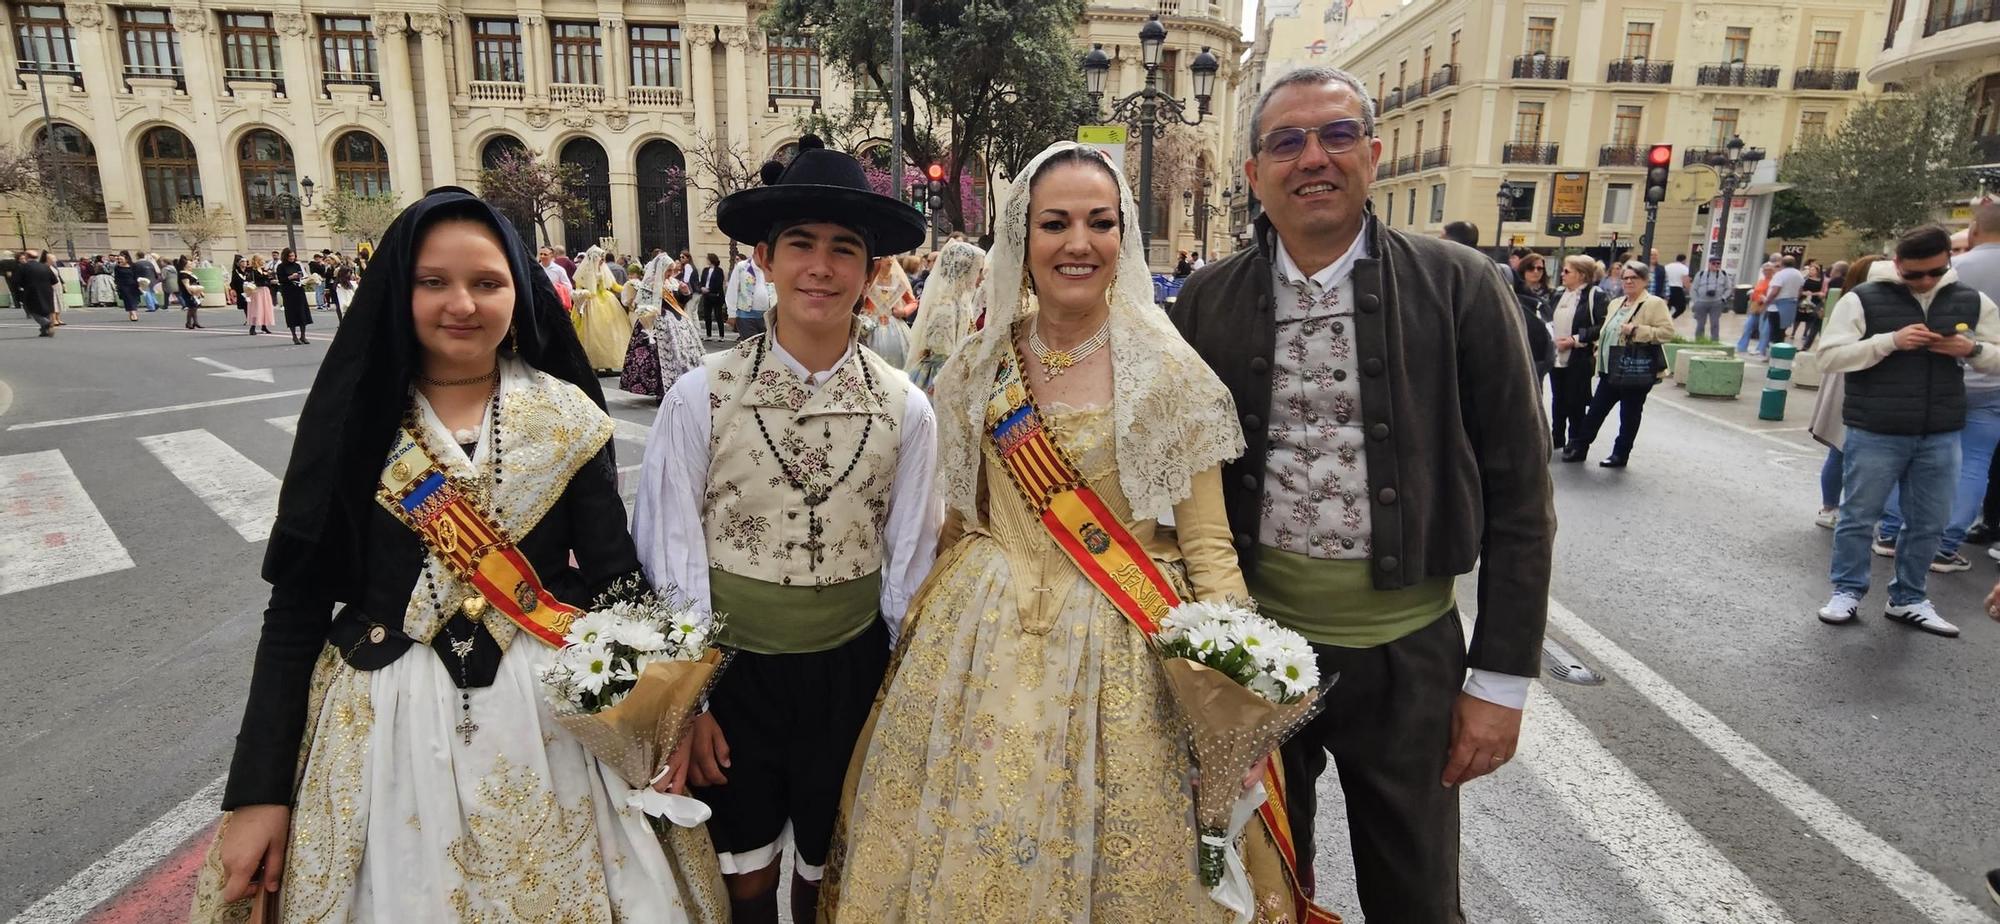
236 105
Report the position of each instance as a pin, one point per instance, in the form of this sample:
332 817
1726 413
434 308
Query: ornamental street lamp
1503 200
1734 167
291 205
1150 110
1202 211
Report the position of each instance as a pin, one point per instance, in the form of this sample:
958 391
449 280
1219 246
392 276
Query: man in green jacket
1395 439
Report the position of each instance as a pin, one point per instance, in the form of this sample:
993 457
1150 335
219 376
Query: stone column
436 30
701 75
204 86
611 68
736 38
103 73
393 31
535 57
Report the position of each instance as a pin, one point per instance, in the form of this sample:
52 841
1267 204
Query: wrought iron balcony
1540 67
1406 164
1826 78
1385 169
1415 91
1393 99
1735 75
1528 153
1692 156
1943 17
1621 155
1439 156
1446 76
1639 70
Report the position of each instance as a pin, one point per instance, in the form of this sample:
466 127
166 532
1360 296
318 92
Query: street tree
20 171
1176 166
198 225
974 72
359 216
1891 163
51 222
526 185
1794 218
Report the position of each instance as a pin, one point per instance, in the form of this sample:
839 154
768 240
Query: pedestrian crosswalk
240 491
50 532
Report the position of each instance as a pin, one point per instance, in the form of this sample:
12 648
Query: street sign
1569 197
1108 139
1796 251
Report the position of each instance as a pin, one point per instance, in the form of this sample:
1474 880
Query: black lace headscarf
363 389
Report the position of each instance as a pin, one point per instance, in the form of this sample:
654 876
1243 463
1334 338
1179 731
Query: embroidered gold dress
1026 762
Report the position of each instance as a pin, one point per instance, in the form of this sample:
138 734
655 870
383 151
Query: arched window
663 207
593 186
167 162
75 161
265 162
786 152
360 164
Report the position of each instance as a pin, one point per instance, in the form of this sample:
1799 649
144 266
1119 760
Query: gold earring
513 340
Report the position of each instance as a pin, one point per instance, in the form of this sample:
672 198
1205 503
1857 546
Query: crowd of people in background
260 287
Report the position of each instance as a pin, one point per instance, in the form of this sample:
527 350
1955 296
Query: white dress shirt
666 522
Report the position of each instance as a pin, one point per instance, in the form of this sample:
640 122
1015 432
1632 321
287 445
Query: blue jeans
1975 448
1923 469
1753 331
1780 315
1829 480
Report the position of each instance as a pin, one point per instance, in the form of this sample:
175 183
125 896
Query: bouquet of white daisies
1244 684
627 680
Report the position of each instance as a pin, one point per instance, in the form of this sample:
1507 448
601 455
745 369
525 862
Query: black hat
822 185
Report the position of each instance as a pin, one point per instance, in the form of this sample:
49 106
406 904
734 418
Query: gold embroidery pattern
330 823
525 857
1017 775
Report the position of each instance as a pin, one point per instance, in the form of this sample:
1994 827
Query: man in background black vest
1901 342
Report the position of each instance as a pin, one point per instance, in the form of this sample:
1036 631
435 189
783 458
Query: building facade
236 105
1952 40
1471 93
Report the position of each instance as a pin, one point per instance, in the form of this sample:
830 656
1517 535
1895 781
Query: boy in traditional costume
787 484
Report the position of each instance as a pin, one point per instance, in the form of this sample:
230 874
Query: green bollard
1780 369
1772 405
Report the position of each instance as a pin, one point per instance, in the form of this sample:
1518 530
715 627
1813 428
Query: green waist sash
1334 602
767 618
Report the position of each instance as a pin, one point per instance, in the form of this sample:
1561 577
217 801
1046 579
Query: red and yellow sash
1114 561
440 509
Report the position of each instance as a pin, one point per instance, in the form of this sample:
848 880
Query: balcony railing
1621 155
270 75
351 79
1446 76
1415 91
1385 170
1826 78
1522 152
1540 67
802 94
30 71
1943 17
1406 164
497 91
1437 157
1692 156
575 94
1639 70
1735 75
1393 100
655 97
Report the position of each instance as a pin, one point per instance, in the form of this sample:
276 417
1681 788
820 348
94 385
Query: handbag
1635 365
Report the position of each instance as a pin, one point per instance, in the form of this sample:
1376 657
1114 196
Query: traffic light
1659 159
936 203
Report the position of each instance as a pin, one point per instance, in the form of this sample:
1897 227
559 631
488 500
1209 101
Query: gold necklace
493 376
1056 362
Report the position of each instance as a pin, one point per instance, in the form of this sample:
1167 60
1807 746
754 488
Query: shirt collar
812 379
1333 274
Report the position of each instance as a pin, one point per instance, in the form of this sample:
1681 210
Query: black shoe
1981 534
1612 462
1574 453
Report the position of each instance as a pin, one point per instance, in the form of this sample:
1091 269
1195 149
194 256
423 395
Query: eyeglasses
1628 277
1336 137
1914 275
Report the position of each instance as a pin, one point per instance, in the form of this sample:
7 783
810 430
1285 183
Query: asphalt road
1743 763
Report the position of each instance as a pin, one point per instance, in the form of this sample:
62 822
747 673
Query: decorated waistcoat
757 524
1316 499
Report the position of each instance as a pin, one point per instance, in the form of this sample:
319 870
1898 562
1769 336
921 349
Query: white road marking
1733 425
6 398
234 372
128 861
1916 885
240 491
50 531
147 412
288 424
630 431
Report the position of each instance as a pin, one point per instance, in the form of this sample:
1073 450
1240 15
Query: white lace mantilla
550 428
1173 417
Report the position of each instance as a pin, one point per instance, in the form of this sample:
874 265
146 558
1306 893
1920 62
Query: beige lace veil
949 303
1173 418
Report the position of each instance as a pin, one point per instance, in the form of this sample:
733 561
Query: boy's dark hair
1462 232
1923 243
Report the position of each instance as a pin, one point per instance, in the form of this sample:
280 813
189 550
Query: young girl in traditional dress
950 308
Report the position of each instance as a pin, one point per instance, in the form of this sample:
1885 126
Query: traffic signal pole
1658 157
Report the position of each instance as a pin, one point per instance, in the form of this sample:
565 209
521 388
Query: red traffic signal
1660 155
935 172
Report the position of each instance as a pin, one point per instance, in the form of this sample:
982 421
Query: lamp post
48 145
1150 110
1202 212
291 205
1501 200
1734 167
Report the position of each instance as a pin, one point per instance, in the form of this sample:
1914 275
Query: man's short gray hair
1316 75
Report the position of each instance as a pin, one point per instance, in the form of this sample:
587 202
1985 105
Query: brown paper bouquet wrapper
1230 729
638 734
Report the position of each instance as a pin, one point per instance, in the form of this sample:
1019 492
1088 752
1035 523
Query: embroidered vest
756 523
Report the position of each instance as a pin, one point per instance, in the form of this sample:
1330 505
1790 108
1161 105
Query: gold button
377 633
